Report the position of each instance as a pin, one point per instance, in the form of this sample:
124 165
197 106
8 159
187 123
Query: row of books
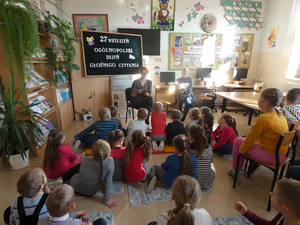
46 126
40 104
35 79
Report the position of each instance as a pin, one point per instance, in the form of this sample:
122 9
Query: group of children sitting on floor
111 161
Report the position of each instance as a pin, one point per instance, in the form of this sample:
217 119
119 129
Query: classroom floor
253 192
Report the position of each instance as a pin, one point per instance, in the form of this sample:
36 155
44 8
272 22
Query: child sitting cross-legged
115 139
177 164
113 112
158 123
195 118
187 196
285 199
30 207
174 128
203 153
101 127
59 203
133 125
137 151
208 122
96 173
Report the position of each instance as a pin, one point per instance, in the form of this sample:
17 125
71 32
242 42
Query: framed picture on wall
163 14
96 22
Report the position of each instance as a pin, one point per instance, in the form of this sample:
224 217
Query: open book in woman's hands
140 91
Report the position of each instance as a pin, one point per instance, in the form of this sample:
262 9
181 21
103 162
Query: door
101 94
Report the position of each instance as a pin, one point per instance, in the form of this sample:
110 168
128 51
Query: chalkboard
106 53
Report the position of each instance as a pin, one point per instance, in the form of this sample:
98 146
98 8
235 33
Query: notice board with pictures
186 50
106 53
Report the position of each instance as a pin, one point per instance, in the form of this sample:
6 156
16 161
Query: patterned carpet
159 194
234 220
107 216
116 188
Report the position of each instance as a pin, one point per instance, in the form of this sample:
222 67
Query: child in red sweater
158 123
222 138
59 158
285 199
138 148
115 139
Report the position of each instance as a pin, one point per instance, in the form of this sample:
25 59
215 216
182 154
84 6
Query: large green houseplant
20 129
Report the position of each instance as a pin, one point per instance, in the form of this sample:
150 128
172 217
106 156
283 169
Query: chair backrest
128 92
258 86
285 139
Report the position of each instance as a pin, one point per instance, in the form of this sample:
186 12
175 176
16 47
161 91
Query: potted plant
19 130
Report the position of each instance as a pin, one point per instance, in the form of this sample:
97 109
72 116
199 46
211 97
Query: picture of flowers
163 14
98 22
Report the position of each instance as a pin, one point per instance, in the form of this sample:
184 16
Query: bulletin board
185 51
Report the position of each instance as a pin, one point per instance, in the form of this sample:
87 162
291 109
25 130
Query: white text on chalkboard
101 64
114 40
114 50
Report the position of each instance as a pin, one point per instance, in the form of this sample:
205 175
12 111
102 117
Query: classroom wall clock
209 23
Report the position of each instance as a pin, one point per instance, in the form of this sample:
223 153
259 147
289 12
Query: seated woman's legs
187 106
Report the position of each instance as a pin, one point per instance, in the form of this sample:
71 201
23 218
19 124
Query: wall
120 15
273 62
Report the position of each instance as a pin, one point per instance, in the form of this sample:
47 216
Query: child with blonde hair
59 203
96 173
115 139
208 122
285 199
174 128
158 123
138 149
187 196
101 127
30 207
202 151
195 118
133 125
177 164
223 137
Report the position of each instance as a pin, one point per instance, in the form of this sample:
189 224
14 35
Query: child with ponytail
195 118
187 196
60 158
208 122
96 173
177 164
222 138
261 140
203 153
137 150
115 139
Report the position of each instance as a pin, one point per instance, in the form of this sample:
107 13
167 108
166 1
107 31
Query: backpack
34 218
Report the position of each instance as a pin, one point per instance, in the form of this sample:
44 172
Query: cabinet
60 115
93 93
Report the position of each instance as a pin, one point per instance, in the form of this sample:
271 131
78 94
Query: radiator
292 84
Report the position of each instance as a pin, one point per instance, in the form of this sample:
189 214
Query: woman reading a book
141 92
186 96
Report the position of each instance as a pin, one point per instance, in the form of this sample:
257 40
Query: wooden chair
285 139
209 97
167 102
128 93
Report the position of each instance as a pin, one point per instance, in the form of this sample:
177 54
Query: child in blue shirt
177 164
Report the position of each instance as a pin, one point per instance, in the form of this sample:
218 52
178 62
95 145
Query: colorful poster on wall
163 13
272 39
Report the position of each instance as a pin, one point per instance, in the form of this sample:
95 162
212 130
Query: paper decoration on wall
193 13
135 16
209 23
243 13
157 69
163 14
272 39
157 59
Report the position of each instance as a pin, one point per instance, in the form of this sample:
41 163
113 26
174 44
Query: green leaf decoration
194 14
189 17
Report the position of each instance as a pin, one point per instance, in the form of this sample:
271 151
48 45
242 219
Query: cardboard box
87 114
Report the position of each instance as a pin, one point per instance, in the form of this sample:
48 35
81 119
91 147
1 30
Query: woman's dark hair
208 117
198 134
275 97
195 114
181 145
101 151
51 154
138 138
230 121
115 135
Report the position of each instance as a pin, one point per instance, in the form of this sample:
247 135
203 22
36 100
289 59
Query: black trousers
71 172
294 170
143 102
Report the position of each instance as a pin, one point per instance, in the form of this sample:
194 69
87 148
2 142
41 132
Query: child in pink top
222 138
158 123
59 158
115 139
138 148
